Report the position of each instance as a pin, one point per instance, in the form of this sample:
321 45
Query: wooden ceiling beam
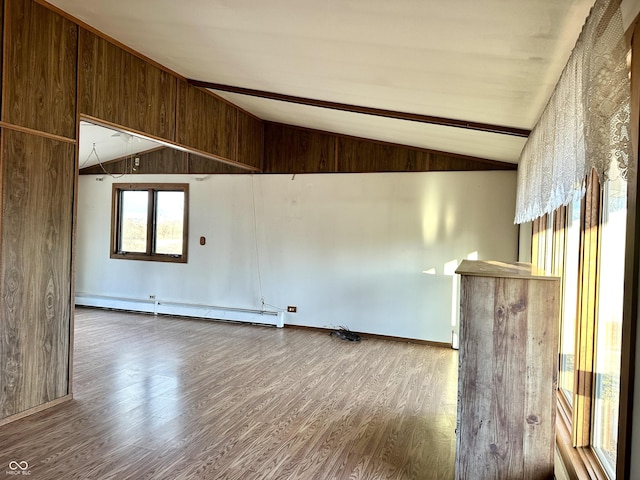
413 117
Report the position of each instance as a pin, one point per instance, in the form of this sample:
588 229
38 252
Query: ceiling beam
413 117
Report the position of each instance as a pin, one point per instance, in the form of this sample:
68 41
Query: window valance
585 124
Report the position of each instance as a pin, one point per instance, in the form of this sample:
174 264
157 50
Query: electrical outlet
152 297
292 309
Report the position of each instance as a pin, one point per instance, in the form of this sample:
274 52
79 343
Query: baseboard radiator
159 307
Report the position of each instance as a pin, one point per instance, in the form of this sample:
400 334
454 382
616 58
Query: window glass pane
570 300
169 222
609 323
548 248
133 221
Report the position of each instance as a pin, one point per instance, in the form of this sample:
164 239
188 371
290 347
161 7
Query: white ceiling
489 61
99 144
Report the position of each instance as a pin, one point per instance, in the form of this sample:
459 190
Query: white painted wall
346 249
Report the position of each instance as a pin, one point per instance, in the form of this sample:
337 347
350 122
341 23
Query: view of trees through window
133 222
169 222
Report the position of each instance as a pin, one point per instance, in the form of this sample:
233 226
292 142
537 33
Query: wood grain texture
290 149
474 411
507 378
4 56
40 64
442 162
166 398
250 140
366 156
164 160
206 122
121 88
35 270
297 150
202 165
31 411
361 155
493 268
540 401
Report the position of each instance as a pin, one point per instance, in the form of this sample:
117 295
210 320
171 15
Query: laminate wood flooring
174 398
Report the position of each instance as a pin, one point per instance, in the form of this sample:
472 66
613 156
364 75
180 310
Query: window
150 222
570 270
588 250
608 328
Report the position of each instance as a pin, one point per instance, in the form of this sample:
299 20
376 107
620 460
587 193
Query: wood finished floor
166 398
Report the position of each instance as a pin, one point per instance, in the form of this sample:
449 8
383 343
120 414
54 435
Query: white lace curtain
585 125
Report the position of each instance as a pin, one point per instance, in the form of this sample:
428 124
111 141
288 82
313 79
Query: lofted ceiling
491 61
99 144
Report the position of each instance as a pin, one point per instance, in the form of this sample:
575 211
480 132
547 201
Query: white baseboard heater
156 306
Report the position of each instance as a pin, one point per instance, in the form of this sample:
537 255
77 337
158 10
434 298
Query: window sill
580 462
150 258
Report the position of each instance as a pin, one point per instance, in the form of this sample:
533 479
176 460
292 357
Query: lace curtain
585 124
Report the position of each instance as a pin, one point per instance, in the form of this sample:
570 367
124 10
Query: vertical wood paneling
297 150
365 156
162 160
203 165
447 163
39 82
121 88
3 59
291 149
250 140
360 155
167 160
206 123
37 206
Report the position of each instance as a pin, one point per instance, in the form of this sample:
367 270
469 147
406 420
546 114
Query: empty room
302 240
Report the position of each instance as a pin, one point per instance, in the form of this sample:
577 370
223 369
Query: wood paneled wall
38 176
121 88
291 149
250 140
296 150
300 150
164 160
40 56
206 123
